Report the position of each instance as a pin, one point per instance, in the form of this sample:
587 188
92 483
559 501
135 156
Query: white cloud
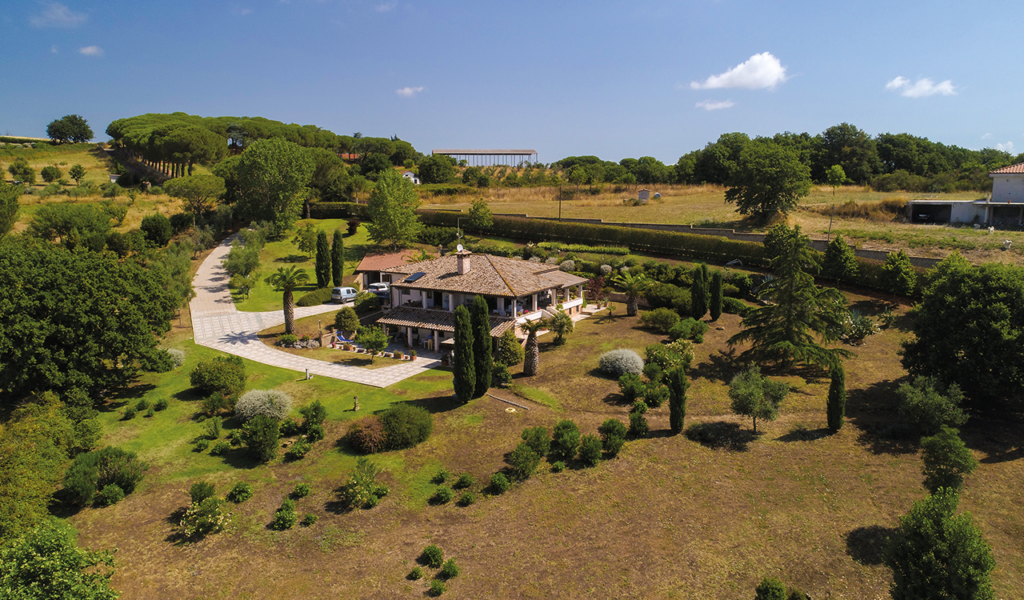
386 6
922 87
91 51
57 15
760 71
987 136
1007 147
54 49
715 104
409 92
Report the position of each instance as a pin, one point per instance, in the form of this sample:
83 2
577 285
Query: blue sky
615 79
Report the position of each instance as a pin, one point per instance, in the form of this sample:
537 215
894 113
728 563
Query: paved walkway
217 324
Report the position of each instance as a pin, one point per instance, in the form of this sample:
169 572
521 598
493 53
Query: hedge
316 297
700 247
337 210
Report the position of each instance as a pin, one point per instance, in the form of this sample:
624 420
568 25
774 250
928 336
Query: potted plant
400 355
412 355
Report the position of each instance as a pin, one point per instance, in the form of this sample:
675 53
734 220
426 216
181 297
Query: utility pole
559 203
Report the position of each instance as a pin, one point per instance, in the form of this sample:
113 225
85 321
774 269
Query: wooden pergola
488 158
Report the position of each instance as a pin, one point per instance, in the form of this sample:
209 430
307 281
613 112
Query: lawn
311 326
668 518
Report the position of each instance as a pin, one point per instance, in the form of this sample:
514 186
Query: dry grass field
668 518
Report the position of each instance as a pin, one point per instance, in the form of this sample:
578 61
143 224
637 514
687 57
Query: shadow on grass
866 544
803 434
292 258
718 367
874 411
721 435
129 393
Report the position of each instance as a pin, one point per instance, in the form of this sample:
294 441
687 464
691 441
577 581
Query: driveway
217 324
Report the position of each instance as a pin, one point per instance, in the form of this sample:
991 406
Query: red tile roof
384 260
1012 169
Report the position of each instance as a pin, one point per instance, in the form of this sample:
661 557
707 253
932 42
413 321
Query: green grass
284 253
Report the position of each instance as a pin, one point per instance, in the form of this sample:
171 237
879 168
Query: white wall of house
965 212
1008 187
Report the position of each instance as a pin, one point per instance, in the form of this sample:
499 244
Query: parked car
380 287
343 294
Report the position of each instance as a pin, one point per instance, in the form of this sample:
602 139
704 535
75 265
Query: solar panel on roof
414 276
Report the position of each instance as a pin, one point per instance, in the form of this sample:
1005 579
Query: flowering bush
272 403
204 518
361 490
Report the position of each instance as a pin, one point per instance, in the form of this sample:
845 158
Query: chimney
463 259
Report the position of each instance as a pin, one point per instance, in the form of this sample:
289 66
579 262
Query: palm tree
634 287
287 279
422 256
532 365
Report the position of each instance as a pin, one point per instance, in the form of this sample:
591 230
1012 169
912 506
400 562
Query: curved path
217 324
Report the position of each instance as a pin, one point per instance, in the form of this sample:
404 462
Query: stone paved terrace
219 325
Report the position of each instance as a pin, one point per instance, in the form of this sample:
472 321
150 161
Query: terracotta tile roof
384 260
1018 168
489 275
441 320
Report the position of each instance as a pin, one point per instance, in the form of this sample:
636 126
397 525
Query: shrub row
316 297
337 210
698 247
584 248
399 427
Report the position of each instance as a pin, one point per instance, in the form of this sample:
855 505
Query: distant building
643 195
1004 208
1008 184
411 177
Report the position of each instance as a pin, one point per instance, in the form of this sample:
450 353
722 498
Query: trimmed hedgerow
316 297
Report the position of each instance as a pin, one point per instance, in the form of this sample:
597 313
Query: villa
424 295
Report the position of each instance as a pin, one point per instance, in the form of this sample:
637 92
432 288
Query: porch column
501 304
437 343
449 297
534 297
408 335
423 298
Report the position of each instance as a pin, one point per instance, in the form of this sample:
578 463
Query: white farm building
1004 208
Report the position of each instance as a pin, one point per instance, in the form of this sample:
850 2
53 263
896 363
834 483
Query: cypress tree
337 258
323 260
836 407
677 385
481 346
699 293
464 380
716 295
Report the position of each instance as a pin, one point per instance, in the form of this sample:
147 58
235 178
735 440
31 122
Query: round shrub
95 470
261 438
660 319
200 491
558 466
150 413
524 461
315 433
223 374
499 483
639 407
177 357
432 556
467 498
285 516
301 490
566 440
619 362
733 306
406 425
157 229
309 519
201 445
272 403
436 588
204 518
638 426
590 450
606 270
142 405
465 480
289 427
443 495
287 339
346 321
240 493
568 266
449 570
613 436
129 413
441 476
220 448
538 438
160 404
110 494
367 435
416 573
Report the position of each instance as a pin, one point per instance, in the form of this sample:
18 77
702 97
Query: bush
129 413
237 437
619 362
203 519
432 556
946 460
613 436
142 405
406 425
201 490
441 476
770 588
271 403
160 404
638 426
660 319
287 339
157 229
224 374
309 520
315 433
590 450
211 428
465 481
436 588
316 297
566 440
220 448
416 573
538 439
655 395
150 413
365 303
449 570
734 306
261 438
347 321
177 357
567 265
443 495
929 405
689 329
110 494
639 407
298 450
301 490
285 516
558 466
201 445
313 414
240 493
98 469
289 428
361 489
631 386
499 483
524 461
367 435
510 351
501 376
467 498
